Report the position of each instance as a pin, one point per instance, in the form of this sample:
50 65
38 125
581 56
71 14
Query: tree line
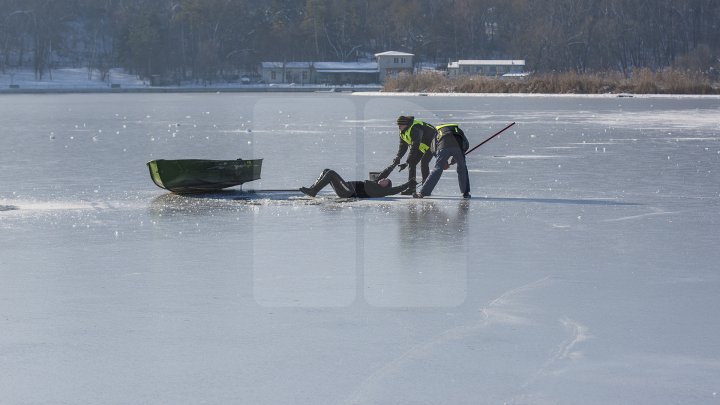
218 39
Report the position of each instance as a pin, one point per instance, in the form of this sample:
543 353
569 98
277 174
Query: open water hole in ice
583 270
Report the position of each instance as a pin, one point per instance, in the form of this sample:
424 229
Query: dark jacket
423 133
370 189
449 136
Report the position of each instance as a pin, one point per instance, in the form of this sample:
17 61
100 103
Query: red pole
485 141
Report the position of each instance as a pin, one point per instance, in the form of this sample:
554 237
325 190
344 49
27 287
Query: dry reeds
640 81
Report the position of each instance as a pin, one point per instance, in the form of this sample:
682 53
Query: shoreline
643 83
538 95
357 91
160 90
638 82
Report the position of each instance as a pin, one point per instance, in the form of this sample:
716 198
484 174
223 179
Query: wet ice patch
706 138
478 171
528 157
48 206
230 199
676 119
65 205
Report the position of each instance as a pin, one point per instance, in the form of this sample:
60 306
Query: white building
319 72
286 72
345 72
507 68
387 64
392 63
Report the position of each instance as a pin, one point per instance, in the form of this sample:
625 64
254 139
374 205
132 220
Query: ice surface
583 270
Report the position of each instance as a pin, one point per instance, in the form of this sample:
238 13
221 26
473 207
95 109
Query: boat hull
202 176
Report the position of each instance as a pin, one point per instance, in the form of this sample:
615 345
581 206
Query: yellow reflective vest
405 136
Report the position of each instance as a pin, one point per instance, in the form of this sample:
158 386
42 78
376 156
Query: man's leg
323 180
342 188
425 165
412 170
462 172
440 160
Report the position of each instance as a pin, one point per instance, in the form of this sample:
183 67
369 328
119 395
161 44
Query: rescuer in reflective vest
416 136
448 147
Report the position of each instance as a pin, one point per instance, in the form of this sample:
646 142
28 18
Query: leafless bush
640 81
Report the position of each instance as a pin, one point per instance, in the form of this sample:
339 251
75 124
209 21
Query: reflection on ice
70 205
529 157
232 200
587 201
170 203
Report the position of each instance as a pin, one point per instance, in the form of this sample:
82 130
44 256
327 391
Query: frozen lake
583 270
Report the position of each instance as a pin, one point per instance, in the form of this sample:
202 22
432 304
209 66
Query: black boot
411 188
316 186
308 191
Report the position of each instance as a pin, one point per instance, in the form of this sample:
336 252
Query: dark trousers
424 167
442 157
342 188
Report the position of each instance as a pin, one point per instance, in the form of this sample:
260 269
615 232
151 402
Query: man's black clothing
449 136
422 133
352 189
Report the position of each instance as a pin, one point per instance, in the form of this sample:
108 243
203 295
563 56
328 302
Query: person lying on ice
355 189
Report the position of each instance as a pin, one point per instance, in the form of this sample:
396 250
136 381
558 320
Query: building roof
349 67
394 53
326 67
488 62
286 65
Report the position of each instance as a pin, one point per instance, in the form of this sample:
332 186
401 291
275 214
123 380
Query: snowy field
68 78
83 80
584 270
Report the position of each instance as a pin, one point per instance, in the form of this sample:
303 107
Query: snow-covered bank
68 78
80 80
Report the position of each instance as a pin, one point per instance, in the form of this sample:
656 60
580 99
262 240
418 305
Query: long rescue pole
447 165
487 140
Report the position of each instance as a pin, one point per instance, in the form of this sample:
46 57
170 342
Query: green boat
202 176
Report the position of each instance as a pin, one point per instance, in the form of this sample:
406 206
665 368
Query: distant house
345 72
286 72
319 72
507 68
393 63
337 73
